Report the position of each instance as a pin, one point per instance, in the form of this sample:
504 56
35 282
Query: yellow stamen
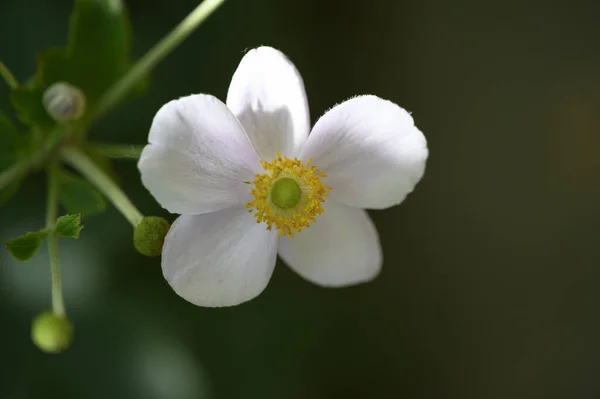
292 219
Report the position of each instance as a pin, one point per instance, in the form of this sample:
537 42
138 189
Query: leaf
77 195
69 226
100 44
24 247
9 137
9 191
97 55
27 100
10 144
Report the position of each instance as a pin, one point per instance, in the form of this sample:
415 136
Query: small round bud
51 333
149 235
64 102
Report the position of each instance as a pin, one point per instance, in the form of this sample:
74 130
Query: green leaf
9 191
77 195
24 247
11 143
27 100
9 137
69 226
100 44
97 55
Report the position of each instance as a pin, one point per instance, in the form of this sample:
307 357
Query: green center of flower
288 195
285 193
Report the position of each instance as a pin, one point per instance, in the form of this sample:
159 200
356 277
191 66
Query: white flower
247 177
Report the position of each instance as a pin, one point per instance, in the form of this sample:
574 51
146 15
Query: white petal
198 158
221 258
267 95
341 248
371 151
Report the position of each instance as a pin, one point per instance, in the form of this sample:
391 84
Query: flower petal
218 259
267 95
341 248
371 151
198 158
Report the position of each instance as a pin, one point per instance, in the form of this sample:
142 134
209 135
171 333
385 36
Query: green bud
149 235
286 193
64 102
51 333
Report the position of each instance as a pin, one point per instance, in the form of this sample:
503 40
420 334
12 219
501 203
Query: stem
122 87
9 78
118 150
58 304
98 178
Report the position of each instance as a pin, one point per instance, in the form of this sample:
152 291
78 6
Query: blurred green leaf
27 100
69 226
97 54
9 191
10 144
8 136
98 50
77 195
24 247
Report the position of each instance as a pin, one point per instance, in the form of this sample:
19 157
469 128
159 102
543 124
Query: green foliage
69 226
24 247
9 191
9 137
51 333
27 100
97 55
11 143
77 195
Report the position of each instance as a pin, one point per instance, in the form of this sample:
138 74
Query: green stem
98 178
9 78
58 304
118 150
123 87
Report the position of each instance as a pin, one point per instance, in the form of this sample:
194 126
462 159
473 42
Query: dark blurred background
492 267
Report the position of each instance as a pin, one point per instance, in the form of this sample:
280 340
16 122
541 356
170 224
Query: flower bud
149 235
64 102
51 333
